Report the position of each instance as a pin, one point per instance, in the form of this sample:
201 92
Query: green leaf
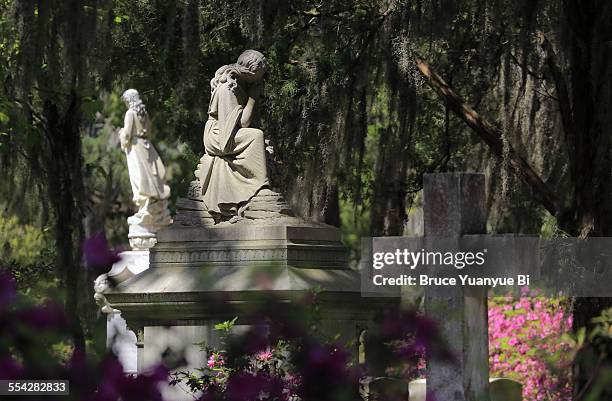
227 325
121 18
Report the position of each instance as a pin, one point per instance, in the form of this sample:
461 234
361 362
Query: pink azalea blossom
215 361
523 332
264 355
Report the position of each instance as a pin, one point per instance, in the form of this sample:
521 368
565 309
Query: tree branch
491 136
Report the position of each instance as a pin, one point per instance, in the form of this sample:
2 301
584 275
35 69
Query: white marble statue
147 172
233 169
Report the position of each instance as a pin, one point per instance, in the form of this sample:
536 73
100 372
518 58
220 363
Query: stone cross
454 205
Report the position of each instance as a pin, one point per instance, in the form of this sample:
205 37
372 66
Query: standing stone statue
147 172
233 169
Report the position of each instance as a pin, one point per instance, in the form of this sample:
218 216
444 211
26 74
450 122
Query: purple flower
243 386
431 396
49 315
116 385
8 290
98 256
324 373
10 369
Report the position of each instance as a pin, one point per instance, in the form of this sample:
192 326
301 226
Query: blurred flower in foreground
115 385
47 316
99 257
8 290
10 368
244 386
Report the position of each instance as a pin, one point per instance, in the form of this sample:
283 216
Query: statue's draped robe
233 169
146 169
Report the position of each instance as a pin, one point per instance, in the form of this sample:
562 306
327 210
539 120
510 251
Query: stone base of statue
144 225
119 338
266 207
143 228
142 237
204 274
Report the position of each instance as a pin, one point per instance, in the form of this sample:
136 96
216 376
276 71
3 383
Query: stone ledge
169 295
306 231
169 280
175 293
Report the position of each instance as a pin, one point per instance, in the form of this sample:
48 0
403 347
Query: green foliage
22 243
591 350
226 326
28 255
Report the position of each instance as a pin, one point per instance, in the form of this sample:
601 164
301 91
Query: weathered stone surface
190 204
250 245
500 389
266 192
195 190
118 337
273 197
268 207
226 185
267 204
317 232
255 214
202 214
454 205
193 221
202 275
192 213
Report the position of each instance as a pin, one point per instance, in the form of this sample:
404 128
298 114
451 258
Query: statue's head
254 65
132 101
130 96
250 67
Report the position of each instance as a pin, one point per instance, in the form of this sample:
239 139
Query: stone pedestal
203 275
120 339
500 389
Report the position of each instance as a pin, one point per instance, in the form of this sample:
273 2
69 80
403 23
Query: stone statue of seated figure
233 170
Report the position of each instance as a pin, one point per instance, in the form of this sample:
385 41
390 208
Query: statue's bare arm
125 133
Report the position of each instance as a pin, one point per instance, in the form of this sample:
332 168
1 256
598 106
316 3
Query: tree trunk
65 188
590 57
389 200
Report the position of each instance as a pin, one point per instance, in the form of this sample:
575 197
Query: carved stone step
193 221
271 198
260 214
189 204
267 192
269 207
203 214
256 201
186 222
